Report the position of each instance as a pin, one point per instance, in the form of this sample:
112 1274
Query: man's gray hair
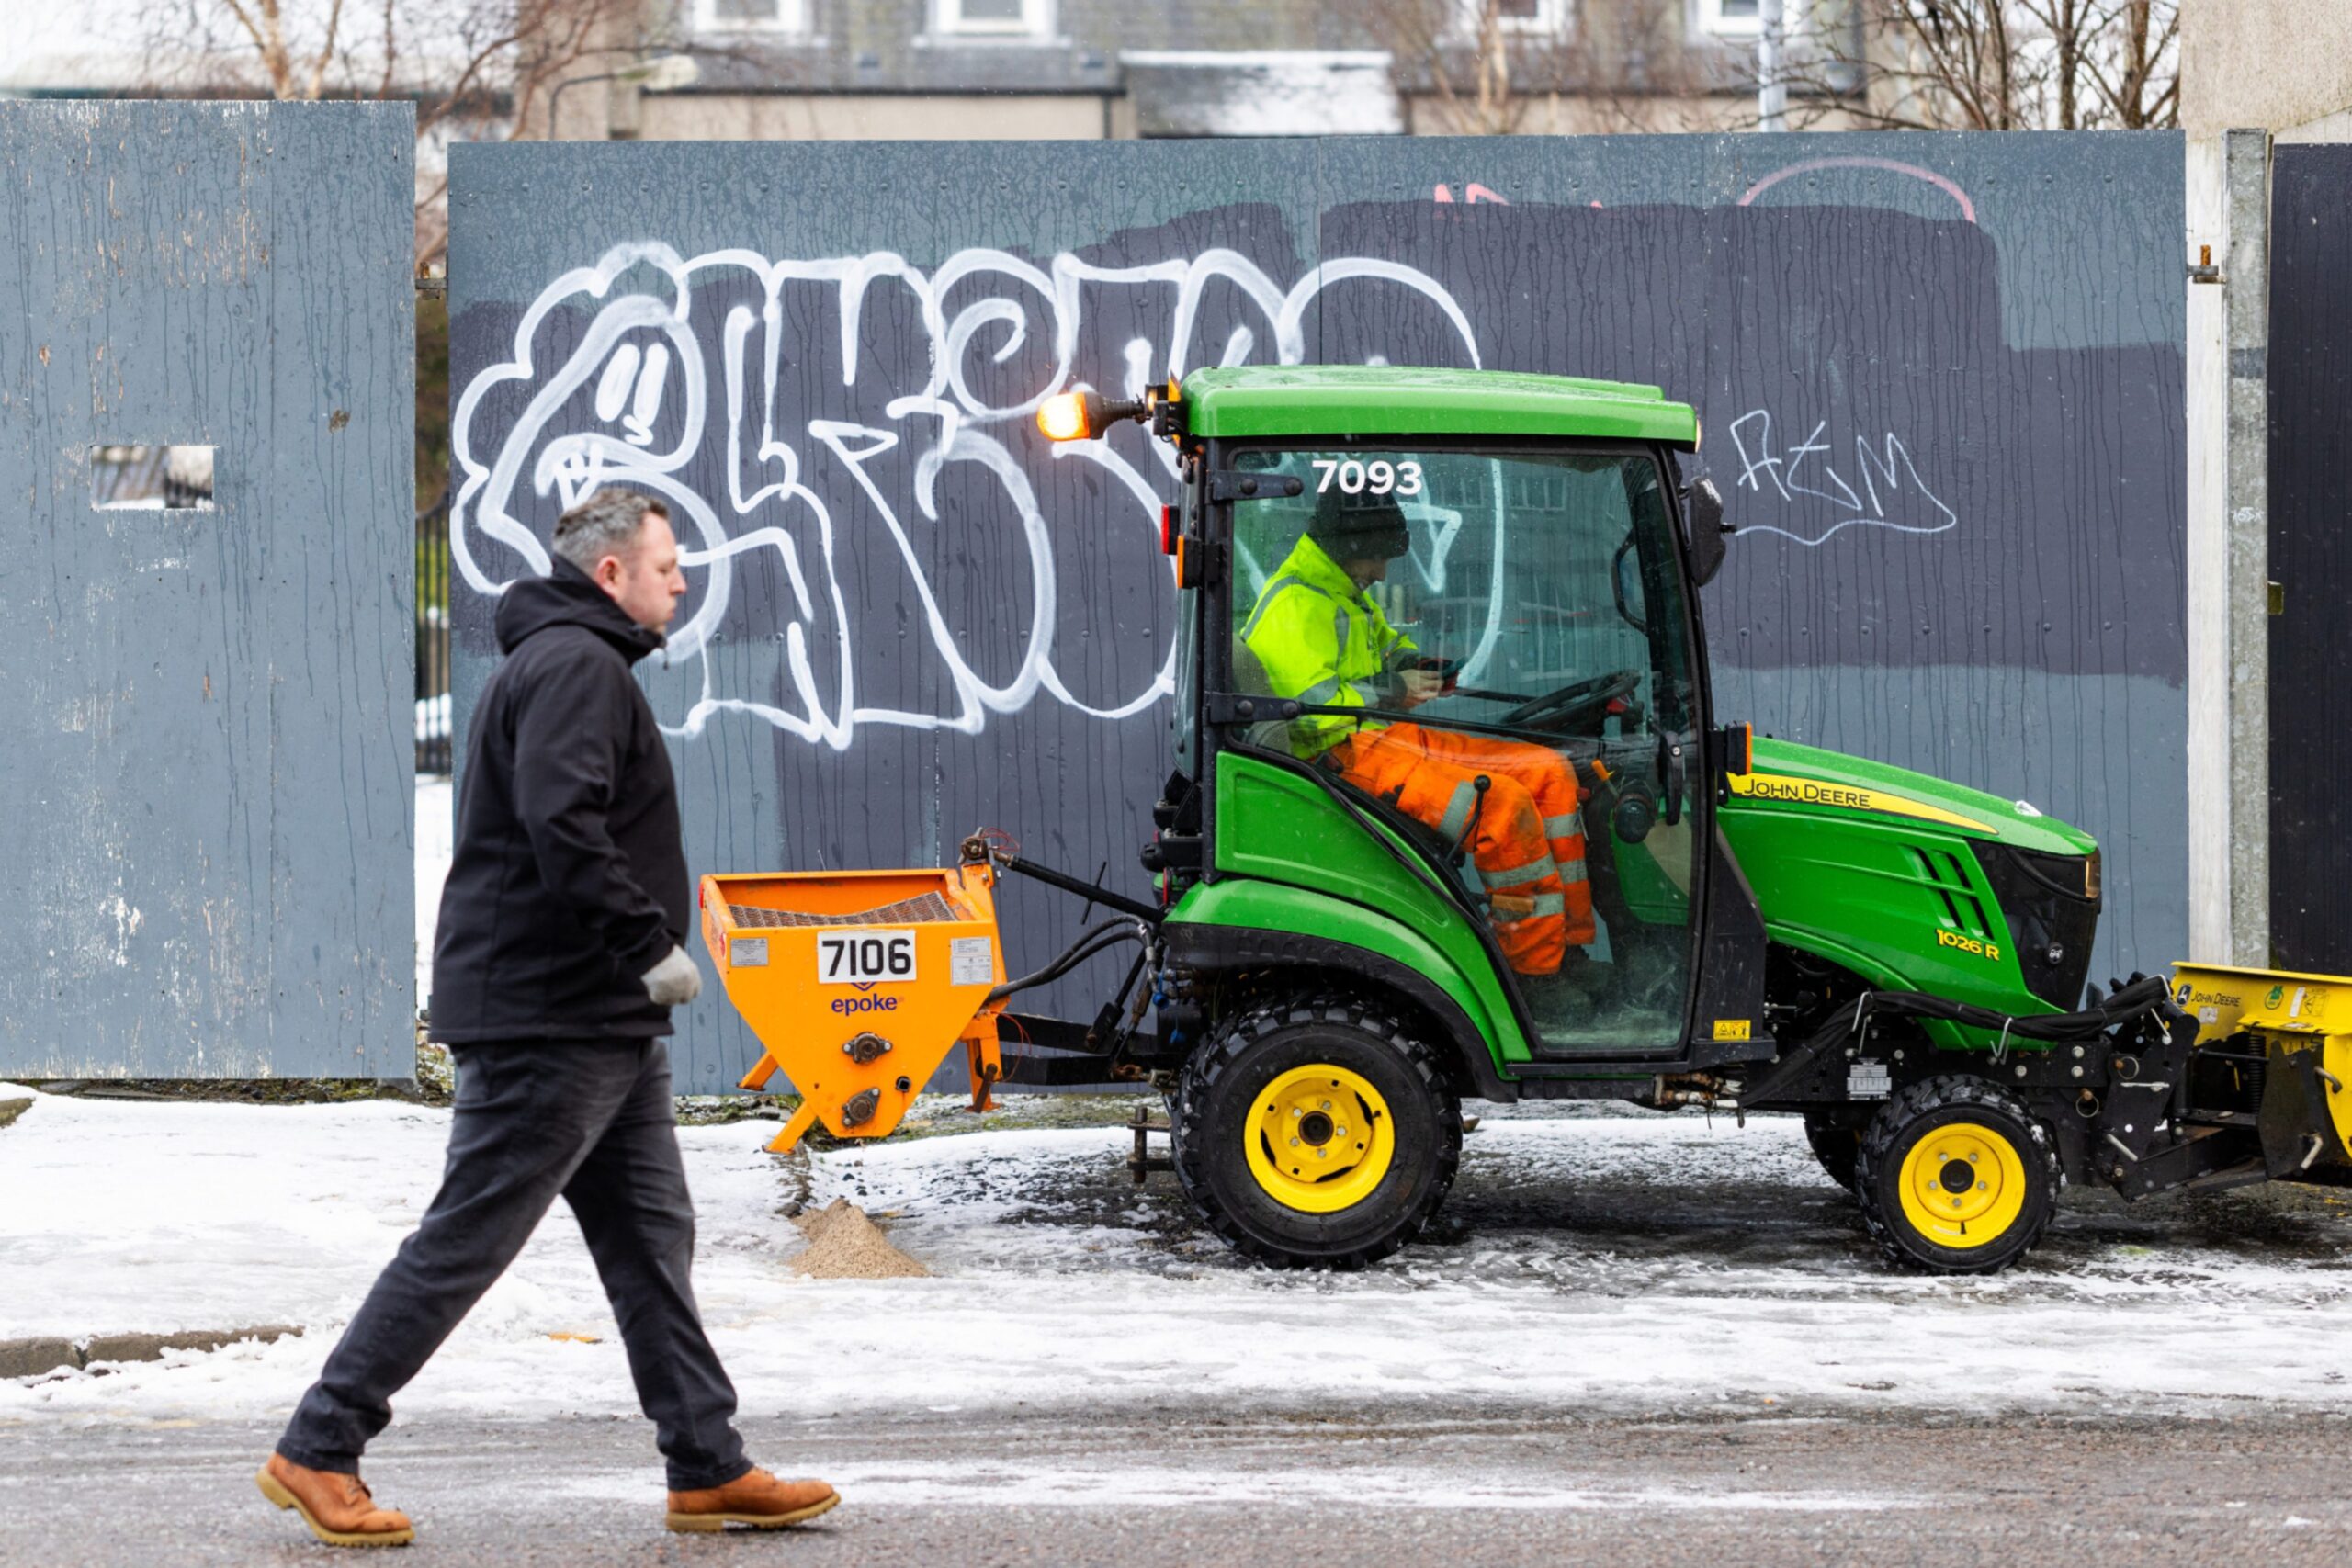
604 524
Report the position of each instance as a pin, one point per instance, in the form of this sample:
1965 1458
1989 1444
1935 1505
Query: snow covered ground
1622 1263
1610 1263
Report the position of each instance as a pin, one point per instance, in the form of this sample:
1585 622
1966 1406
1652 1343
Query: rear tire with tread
1212 1114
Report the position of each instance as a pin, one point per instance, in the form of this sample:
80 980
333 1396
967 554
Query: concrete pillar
2228 551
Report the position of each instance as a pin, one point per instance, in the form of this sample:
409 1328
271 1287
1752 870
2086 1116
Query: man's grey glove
674 981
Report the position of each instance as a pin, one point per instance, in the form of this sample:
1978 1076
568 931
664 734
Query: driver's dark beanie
1359 528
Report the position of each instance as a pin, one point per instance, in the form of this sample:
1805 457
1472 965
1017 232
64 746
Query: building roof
1396 400
1271 91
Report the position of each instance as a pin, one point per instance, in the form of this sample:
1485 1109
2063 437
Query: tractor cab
1443 662
1540 600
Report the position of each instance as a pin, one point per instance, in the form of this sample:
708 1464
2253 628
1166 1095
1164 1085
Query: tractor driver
1322 640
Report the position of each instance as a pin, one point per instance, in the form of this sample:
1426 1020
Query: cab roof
1247 400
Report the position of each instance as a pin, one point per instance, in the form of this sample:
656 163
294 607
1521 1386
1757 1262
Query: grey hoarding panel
210 869
1940 378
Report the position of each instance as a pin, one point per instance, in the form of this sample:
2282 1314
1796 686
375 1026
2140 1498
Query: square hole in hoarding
140 477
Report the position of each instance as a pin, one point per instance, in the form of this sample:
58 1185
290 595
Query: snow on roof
90 46
72 70
1224 58
1263 92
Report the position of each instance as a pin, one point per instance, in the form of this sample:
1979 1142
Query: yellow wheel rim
1964 1185
1319 1139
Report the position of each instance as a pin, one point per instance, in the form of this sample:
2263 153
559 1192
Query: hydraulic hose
1070 883
2144 994
1100 939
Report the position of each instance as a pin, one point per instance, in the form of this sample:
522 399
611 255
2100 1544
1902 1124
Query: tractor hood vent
2051 917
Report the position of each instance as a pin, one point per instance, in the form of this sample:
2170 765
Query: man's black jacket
569 876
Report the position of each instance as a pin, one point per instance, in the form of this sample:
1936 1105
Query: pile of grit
844 1244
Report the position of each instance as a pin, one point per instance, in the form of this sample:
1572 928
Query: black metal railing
433 637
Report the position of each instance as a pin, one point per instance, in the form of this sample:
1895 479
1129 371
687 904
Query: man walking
558 958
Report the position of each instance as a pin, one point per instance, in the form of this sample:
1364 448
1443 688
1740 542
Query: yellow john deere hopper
2284 1041
857 984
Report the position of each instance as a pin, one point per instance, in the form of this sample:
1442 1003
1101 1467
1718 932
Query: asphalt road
1191 1487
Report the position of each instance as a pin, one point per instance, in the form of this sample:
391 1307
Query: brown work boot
337 1507
754 1498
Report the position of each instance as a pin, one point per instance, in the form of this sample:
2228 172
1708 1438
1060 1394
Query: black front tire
1216 1111
1956 1176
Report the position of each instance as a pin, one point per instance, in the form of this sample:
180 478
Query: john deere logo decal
1812 792
2276 994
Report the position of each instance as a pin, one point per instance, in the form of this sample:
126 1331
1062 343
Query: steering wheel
1567 702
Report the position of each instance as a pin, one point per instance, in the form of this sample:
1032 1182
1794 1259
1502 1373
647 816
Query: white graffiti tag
645 327
1806 468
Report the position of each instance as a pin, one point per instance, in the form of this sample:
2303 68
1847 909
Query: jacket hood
1312 564
568 596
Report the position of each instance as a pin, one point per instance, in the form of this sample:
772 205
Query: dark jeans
590 1119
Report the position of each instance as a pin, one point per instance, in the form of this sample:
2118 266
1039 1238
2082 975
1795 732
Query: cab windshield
1492 645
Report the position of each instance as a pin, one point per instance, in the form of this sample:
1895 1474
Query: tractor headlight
2091 877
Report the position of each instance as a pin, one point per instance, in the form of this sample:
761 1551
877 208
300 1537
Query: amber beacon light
1065 416
1083 415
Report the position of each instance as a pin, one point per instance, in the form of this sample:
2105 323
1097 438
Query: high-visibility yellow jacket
1321 641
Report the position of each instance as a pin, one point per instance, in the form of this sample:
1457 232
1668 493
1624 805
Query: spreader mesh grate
908 912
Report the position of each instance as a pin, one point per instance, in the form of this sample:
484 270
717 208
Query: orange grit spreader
857 984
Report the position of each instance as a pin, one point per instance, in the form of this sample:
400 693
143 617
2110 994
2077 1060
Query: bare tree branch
1499 67
267 42
392 47
475 70
2008 64
326 51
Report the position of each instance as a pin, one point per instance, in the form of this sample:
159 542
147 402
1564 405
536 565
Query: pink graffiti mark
1473 194
1967 207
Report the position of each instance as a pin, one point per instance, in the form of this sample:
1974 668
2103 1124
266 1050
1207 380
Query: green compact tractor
1452 815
